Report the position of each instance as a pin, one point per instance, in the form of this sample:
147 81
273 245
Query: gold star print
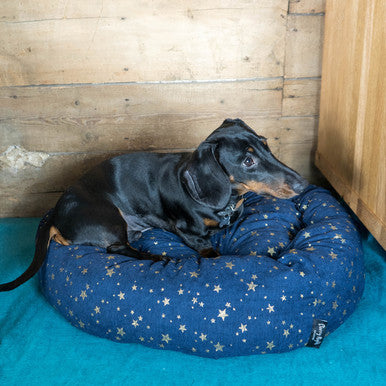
283 298
84 271
217 288
81 324
251 286
306 234
182 328
110 272
270 308
302 274
271 251
83 294
134 288
335 305
97 310
135 323
203 336
333 255
243 327
286 333
166 338
218 346
316 302
229 265
110 257
193 274
270 345
120 331
310 249
222 314
166 302
121 296
180 291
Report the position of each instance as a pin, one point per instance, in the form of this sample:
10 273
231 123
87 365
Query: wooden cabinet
351 150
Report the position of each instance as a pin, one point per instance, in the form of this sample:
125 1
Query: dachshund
192 194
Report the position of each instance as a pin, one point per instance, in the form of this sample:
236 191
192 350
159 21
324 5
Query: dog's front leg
199 243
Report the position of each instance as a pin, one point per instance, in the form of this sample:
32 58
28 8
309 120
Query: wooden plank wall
83 80
352 136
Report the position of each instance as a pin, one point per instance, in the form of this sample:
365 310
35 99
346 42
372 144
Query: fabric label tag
317 334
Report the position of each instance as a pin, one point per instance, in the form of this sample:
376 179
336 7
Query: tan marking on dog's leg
210 223
57 236
239 203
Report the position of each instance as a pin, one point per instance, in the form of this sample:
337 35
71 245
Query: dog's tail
42 240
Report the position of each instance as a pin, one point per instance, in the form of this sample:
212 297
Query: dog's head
234 160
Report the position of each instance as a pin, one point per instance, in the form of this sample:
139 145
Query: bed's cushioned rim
285 263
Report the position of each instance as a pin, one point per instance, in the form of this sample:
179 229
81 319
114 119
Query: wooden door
352 133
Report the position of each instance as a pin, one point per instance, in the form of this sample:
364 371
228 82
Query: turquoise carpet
38 346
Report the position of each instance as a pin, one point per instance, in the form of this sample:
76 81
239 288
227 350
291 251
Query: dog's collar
226 214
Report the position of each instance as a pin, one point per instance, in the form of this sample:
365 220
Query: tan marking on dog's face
231 178
210 223
57 236
250 149
282 191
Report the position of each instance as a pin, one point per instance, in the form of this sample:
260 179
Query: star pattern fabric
282 265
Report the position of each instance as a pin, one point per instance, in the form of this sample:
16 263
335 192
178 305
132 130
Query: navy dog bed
290 271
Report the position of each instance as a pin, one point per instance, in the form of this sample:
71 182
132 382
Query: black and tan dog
191 194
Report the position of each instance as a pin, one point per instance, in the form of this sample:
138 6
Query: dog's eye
248 162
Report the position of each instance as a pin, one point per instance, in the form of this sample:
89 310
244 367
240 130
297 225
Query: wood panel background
83 80
352 136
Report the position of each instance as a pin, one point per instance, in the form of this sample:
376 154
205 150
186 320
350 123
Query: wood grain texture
301 97
304 46
81 81
122 41
352 137
307 6
131 117
291 139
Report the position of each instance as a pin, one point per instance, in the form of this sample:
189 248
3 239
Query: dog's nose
299 186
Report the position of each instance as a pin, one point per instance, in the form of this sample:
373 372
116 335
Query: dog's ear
205 179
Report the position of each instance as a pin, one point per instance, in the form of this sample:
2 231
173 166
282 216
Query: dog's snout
299 186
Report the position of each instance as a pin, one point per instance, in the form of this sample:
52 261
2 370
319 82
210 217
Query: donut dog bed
289 272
